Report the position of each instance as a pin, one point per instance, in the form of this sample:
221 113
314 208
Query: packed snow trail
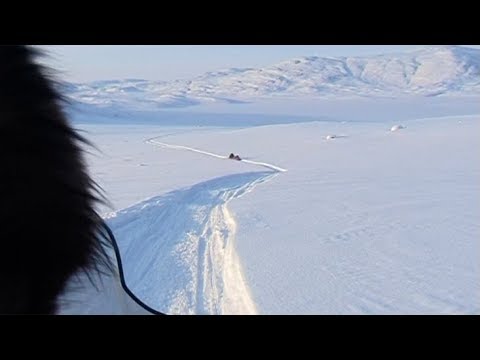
179 248
155 142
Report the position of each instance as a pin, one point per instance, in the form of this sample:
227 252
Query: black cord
122 277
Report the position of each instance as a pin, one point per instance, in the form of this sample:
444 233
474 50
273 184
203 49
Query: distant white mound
397 127
331 137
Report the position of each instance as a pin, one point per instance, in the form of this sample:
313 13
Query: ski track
191 266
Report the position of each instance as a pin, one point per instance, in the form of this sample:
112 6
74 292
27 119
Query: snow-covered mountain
429 71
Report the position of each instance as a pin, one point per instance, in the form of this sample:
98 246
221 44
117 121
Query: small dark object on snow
234 157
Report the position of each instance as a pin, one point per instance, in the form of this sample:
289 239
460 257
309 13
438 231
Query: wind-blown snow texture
369 222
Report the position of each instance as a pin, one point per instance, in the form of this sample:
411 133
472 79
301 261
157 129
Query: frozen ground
367 222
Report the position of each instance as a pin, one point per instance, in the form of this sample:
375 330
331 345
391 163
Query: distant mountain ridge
429 71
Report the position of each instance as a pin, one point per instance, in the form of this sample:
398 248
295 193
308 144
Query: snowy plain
329 212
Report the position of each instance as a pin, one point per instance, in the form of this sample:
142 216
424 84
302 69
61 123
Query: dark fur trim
49 227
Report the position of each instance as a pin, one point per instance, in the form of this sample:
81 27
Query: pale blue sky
80 63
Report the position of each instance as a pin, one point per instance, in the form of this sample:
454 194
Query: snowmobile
234 157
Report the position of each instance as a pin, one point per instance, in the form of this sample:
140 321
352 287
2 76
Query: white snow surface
328 212
374 222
